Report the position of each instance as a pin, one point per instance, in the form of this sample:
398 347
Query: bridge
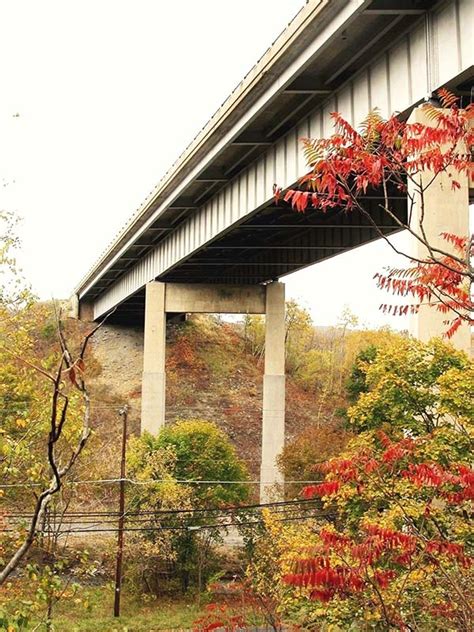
210 238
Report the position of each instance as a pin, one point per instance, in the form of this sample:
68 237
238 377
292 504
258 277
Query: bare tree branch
58 420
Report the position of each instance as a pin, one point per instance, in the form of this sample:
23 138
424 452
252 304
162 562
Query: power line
131 481
182 527
151 522
276 504
147 515
77 524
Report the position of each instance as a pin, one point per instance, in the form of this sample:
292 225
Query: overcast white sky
108 93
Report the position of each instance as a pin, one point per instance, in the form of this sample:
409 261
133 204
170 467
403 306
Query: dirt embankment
210 375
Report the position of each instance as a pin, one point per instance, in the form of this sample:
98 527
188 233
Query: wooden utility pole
123 412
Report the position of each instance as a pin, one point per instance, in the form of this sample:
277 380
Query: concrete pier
163 298
445 211
273 419
154 378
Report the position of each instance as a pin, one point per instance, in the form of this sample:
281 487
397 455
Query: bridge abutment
163 298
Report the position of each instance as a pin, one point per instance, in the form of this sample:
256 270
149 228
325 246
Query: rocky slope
210 375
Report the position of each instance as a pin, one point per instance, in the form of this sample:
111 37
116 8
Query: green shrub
177 546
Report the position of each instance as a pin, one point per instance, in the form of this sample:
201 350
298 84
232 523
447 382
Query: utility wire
222 525
279 503
131 481
65 520
282 508
150 521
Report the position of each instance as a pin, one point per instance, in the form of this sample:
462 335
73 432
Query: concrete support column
273 423
153 382
445 210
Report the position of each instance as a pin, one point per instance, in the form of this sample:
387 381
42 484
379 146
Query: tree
204 452
187 451
318 358
357 381
300 457
404 387
68 374
397 553
394 156
299 334
45 401
386 542
15 292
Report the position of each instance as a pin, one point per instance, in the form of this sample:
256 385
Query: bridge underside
211 217
271 243
211 220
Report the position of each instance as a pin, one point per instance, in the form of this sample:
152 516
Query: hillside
211 374
214 373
